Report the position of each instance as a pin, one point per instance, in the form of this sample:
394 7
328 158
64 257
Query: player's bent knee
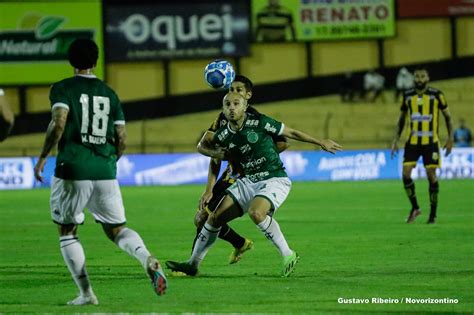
200 218
214 220
256 215
67 229
111 230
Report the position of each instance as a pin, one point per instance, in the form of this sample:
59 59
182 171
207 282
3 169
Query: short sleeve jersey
221 121
253 147
423 112
86 150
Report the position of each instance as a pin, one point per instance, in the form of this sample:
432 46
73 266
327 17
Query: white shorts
101 197
275 190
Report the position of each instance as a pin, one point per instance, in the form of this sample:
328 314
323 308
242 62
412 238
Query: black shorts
429 152
218 191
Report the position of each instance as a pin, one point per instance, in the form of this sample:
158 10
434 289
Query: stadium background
168 105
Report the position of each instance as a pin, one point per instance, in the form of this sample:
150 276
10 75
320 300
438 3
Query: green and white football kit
86 165
254 149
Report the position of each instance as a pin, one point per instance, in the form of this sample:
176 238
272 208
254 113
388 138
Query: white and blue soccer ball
219 74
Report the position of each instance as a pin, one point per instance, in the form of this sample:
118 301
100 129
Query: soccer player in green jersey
88 126
215 188
247 140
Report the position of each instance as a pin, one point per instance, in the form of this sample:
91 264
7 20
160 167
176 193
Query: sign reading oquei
161 31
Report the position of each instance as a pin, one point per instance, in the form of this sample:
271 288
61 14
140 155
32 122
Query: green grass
351 237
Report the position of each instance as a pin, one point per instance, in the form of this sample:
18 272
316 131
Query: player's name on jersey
93 139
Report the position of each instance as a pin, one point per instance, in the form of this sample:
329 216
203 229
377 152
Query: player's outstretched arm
325 144
120 140
449 125
398 133
53 134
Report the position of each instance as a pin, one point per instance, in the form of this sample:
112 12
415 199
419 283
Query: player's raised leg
106 206
130 241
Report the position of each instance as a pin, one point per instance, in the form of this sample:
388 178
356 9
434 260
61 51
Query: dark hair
420 68
246 81
83 53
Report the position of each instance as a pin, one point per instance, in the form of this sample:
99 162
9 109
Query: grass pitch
351 237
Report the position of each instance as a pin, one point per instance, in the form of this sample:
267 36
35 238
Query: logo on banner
156 31
16 173
39 38
459 164
360 166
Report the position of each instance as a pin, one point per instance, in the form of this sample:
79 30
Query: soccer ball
219 74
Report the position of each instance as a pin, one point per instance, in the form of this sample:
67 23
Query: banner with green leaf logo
35 37
308 20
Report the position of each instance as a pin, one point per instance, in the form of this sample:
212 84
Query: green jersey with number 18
253 147
86 150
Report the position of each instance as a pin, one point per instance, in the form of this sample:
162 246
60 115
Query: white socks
204 241
129 241
271 229
74 257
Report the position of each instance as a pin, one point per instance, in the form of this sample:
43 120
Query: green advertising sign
35 37
308 20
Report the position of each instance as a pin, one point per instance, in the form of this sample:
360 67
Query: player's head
242 85
83 54
273 3
234 106
422 77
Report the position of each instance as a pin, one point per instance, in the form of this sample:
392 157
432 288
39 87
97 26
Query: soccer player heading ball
247 141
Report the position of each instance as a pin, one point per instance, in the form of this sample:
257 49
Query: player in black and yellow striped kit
422 106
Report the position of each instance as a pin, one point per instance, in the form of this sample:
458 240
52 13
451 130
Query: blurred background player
405 81
247 140
6 117
462 135
422 105
348 89
89 125
215 190
373 85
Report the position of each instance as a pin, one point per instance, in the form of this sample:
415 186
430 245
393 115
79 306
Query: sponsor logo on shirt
255 163
252 123
270 128
246 148
223 135
420 117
